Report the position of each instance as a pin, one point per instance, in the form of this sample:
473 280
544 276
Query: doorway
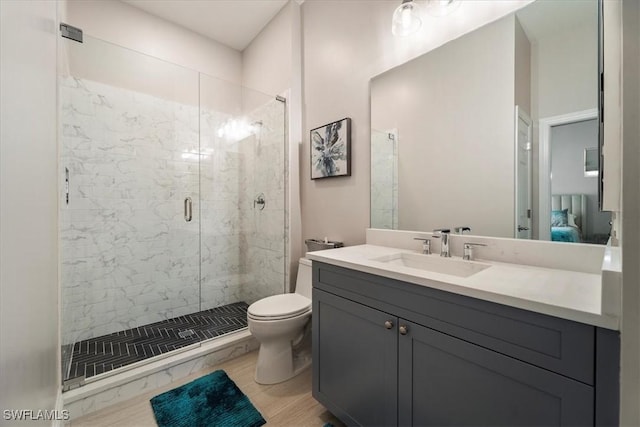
568 185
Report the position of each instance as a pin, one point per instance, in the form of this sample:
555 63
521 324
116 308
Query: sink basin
435 264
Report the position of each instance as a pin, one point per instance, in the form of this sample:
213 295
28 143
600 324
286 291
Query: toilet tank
303 281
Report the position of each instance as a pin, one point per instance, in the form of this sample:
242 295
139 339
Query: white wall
29 342
267 61
523 69
454 113
565 71
630 375
130 27
103 62
345 44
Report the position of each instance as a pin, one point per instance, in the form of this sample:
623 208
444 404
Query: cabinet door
445 381
355 358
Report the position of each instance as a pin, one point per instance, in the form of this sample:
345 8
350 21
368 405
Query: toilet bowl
281 324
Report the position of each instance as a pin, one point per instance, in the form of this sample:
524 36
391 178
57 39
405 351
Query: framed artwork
331 150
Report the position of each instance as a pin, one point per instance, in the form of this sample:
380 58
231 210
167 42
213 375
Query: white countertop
561 293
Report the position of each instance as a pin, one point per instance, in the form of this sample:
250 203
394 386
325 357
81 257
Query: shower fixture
259 201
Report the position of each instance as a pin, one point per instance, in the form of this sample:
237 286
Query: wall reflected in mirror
456 133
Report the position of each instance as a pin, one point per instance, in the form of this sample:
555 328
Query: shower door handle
188 209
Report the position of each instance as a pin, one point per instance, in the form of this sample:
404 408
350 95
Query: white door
523 175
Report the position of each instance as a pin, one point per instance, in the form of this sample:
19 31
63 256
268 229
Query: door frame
544 164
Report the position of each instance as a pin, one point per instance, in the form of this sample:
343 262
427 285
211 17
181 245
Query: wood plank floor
285 404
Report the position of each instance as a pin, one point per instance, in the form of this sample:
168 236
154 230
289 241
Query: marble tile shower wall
384 180
128 256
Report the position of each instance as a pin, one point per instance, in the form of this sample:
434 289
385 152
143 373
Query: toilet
280 323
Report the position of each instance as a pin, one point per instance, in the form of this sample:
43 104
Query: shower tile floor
102 354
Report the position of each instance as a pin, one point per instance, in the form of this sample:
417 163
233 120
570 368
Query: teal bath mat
213 400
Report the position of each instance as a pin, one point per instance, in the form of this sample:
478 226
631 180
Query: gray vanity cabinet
389 353
444 381
360 385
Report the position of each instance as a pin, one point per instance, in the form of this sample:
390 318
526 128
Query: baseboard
115 388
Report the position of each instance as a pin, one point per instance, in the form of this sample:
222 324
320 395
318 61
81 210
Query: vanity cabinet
361 357
447 381
387 353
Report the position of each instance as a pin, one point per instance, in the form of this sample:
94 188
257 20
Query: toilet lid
279 306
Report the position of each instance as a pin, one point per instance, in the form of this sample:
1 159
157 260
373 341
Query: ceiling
234 23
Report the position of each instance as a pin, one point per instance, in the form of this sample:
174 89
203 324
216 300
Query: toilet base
280 362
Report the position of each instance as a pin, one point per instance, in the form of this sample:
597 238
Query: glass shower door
129 211
243 191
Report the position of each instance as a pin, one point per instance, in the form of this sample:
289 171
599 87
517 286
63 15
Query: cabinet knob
388 324
403 329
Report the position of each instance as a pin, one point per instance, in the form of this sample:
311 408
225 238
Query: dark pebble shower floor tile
102 354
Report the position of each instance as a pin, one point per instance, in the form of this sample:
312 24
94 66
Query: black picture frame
330 150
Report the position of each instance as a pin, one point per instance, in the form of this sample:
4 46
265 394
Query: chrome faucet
461 229
444 235
426 245
468 250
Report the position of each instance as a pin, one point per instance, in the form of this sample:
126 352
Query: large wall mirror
490 130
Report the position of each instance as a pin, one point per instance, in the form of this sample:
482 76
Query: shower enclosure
384 179
173 187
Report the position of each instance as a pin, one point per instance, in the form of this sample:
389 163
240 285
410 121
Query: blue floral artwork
330 150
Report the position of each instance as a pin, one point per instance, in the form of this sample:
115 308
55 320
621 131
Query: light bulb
441 7
406 19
